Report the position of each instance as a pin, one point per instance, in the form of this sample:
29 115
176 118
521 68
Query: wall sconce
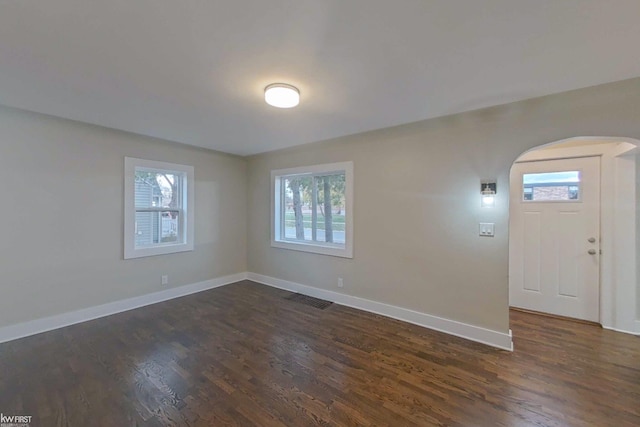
488 194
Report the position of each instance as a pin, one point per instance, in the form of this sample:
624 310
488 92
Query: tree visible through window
313 209
158 208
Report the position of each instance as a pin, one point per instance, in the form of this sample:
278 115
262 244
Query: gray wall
416 208
61 237
417 202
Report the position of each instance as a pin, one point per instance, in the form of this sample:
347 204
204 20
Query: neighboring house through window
158 208
562 186
313 209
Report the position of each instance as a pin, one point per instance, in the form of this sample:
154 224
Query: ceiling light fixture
282 95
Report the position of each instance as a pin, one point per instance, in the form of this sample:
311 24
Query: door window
551 186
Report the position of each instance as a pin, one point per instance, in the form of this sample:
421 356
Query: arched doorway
572 231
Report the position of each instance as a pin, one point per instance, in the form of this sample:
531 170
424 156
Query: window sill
336 251
157 250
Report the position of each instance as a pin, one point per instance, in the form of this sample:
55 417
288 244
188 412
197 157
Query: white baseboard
45 324
463 330
633 328
474 333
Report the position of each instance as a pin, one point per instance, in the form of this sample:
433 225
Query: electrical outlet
340 282
165 279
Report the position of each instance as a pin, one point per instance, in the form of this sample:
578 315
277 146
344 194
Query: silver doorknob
592 252
591 240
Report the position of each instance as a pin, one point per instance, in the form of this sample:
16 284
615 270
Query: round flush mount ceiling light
282 95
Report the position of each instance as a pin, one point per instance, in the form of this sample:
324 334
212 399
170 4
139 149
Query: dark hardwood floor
244 355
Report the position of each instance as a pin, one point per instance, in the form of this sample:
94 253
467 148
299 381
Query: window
313 209
551 187
158 208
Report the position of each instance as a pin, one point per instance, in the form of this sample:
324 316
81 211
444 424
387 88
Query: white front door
554 243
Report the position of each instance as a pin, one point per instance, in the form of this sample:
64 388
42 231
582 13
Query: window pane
551 186
153 228
297 212
330 209
314 208
158 189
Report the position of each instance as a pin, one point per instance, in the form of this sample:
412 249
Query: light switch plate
487 229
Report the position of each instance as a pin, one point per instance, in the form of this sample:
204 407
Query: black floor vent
307 300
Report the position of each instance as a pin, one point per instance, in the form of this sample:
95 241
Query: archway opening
554 247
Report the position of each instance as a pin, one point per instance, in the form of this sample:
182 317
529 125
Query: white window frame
186 210
277 225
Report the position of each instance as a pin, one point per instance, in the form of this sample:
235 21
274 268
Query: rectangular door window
551 187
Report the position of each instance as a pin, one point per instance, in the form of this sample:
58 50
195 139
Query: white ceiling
194 71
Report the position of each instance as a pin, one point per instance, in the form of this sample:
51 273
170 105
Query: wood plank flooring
243 355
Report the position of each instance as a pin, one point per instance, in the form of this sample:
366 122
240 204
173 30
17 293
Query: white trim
463 330
624 331
313 247
451 327
45 324
188 206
